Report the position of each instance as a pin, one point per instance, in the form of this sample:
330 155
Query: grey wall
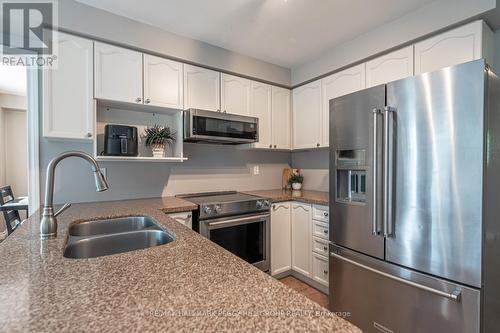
433 17
314 166
83 19
209 168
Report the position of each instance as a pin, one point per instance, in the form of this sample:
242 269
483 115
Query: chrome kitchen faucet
48 223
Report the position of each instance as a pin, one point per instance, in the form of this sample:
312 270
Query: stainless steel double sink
117 235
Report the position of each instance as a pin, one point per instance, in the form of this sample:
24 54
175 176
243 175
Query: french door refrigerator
414 201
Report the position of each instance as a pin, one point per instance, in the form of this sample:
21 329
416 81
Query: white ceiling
13 80
283 32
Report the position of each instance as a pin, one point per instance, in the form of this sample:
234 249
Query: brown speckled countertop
190 284
312 197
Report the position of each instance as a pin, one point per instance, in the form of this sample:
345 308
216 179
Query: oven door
218 127
247 236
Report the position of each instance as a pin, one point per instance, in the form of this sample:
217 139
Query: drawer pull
325 214
325 248
326 232
325 271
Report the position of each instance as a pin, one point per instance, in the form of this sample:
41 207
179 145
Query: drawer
320 229
320 213
320 246
320 269
185 218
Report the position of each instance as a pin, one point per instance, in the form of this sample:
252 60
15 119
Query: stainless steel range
238 222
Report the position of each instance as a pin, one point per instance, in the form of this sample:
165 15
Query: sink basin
105 237
112 226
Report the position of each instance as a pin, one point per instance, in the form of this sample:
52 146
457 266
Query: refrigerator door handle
454 295
375 228
388 168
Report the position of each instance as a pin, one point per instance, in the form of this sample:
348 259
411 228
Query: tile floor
311 293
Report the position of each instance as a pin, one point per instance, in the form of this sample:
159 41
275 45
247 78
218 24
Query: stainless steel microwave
219 127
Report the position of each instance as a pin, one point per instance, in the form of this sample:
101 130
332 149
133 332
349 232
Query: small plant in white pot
158 137
296 181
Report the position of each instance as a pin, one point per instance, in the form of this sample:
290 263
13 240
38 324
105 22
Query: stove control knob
207 210
260 204
217 209
267 203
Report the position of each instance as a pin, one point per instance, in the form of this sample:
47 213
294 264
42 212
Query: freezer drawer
377 303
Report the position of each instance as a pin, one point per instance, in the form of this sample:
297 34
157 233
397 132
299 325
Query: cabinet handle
274 146
147 101
317 145
325 248
88 135
325 214
138 100
270 146
225 111
325 271
325 232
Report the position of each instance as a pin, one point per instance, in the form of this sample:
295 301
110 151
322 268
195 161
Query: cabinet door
390 67
336 85
307 115
450 48
185 218
281 234
163 82
281 118
301 238
235 94
320 269
201 88
118 74
261 108
68 106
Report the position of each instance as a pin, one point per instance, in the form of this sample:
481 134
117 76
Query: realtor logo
27 32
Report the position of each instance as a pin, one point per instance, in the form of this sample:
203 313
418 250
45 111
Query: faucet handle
62 209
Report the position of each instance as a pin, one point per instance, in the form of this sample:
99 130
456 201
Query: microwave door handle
375 228
388 170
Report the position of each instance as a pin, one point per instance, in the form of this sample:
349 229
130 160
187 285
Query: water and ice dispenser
351 175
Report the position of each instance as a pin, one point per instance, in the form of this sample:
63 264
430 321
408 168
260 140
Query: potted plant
296 181
158 137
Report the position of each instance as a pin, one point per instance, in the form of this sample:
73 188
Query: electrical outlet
104 173
256 170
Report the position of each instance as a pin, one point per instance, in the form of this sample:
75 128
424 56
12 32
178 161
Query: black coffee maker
120 140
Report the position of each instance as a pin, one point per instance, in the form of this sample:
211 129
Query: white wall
433 17
88 20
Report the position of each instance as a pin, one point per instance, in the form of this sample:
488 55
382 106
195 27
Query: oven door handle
236 221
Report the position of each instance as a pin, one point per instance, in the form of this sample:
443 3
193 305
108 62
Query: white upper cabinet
261 108
235 94
336 85
68 105
201 88
390 67
163 82
281 118
301 238
307 115
469 42
281 233
118 73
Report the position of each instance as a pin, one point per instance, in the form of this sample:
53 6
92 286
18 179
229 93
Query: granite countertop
312 197
190 284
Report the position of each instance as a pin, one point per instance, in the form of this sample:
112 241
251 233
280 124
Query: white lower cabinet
320 269
301 238
281 234
185 218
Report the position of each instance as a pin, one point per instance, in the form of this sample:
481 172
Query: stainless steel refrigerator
415 201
